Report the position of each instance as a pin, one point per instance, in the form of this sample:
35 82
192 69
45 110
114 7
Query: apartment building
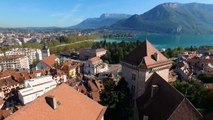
14 62
94 66
86 54
32 54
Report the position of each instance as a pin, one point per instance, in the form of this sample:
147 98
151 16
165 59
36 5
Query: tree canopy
118 100
199 96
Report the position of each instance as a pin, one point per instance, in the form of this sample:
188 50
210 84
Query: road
73 43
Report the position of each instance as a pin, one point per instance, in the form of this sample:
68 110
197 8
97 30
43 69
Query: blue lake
170 41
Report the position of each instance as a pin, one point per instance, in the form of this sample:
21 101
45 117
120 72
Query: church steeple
45 51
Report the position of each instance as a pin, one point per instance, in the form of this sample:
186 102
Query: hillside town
63 87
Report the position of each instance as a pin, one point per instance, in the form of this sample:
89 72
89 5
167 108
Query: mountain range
194 18
176 18
105 20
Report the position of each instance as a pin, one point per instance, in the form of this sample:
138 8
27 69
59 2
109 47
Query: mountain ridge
172 18
105 20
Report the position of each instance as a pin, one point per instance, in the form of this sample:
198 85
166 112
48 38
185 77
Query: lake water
170 41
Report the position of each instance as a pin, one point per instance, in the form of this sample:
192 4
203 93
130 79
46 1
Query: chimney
51 101
154 90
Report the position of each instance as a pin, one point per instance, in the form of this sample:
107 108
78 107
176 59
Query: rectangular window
133 77
133 88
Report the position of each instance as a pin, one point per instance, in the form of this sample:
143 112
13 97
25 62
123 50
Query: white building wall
89 68
38 54
101 69
30 53
24 63
45 53
35 88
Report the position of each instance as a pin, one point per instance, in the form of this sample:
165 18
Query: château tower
140 64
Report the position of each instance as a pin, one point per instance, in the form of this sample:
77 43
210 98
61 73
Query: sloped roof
94 60
1 101
92 86
143 56
167 103
6 73
8 82
185 111
74 106
50 60
21 77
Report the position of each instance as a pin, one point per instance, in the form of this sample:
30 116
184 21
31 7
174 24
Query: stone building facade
140 64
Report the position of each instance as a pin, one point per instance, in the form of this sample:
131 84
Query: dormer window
155 56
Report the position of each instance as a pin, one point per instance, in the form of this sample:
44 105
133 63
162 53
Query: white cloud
69 15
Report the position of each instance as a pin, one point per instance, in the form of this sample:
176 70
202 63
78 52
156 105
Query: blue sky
40 13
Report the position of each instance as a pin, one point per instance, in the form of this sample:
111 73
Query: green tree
118 100
206 78
199 96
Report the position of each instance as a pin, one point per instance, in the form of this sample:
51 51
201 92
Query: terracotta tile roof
17 77
6 73
94 60
1 101
99 84
68 65
21 77
95 96
50 61
8 82
5 113
42 71
73 106
144 56
92 86
167 103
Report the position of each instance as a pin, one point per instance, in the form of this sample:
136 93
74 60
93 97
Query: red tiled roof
73 106
94 60
92 86
6 73
95 96
42 71
50 60
5 113
1 101
8 82
21 77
